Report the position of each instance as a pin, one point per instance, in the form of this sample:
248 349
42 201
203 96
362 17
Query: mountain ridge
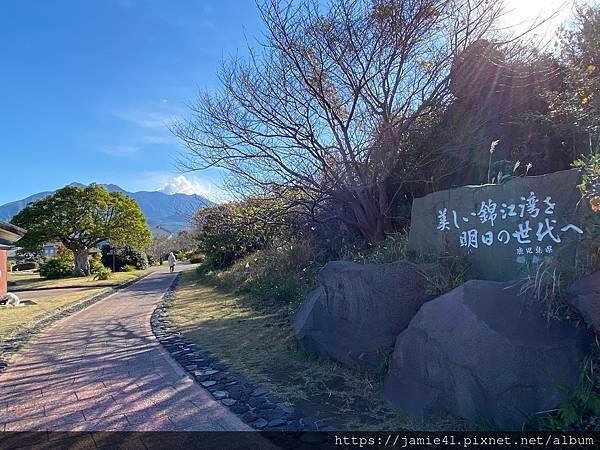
163 211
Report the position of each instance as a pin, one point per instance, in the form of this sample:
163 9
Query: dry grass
255 339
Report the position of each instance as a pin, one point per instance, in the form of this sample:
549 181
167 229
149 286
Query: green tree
231 230
579 103
81 218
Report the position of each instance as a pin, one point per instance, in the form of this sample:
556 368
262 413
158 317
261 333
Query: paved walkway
102 369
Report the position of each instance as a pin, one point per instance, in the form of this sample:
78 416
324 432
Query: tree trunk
82 262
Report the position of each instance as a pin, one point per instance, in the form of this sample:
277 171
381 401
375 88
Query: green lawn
32 280
255 339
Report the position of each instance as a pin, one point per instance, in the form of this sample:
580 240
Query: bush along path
257 407
13 345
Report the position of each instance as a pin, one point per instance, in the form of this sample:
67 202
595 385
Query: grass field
255 339
32 280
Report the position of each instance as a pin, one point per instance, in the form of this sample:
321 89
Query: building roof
9 234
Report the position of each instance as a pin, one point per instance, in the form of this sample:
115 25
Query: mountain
166 212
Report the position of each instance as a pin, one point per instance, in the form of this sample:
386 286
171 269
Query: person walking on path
172 262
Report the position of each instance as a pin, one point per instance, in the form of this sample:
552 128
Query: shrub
285 273
65 255
102 273
128 268
123 257
230 231
96 266
181 255
197 258
25 266
590 190
393 248
56 268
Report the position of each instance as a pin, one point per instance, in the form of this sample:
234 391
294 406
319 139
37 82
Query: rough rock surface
584 296
481 222
357 310
483 352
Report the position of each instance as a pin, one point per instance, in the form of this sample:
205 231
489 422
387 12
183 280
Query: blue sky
88 86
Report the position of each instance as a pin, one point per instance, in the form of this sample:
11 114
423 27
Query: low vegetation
32 281
254 338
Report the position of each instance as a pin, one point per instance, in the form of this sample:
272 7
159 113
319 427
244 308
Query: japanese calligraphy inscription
503 228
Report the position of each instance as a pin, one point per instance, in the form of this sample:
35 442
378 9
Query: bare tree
160 247
325 106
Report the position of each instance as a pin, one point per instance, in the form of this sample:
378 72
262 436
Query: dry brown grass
255 339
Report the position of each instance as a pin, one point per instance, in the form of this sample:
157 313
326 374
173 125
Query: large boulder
584 297
357 311
482 351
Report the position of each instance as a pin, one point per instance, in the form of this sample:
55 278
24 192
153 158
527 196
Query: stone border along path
257 407
102 369
13 345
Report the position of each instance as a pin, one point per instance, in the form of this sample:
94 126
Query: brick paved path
102 369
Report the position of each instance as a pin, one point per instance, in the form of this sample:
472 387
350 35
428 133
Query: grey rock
584 296
500 261
260 424
483 352
220 395
271 414
288 409
276 423
208 383
256 401
240 408
357 311
215 387
258 392
228 401
210 372
249 417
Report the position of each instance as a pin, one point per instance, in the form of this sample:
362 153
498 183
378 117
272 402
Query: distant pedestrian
172 262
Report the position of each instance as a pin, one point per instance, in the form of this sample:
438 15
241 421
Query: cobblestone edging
12 346
255 406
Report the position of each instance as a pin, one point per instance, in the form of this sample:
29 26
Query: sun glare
522 14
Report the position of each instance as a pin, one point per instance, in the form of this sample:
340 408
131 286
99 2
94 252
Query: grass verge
32 280
254 338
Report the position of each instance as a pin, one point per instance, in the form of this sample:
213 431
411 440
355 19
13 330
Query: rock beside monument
584 296
483 352
357 311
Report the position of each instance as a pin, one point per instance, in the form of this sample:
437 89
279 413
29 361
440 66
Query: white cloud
120 150
151 120
182 185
